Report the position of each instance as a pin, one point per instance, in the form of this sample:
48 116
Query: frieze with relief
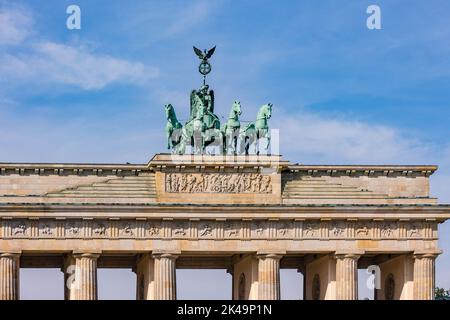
218 183
210 229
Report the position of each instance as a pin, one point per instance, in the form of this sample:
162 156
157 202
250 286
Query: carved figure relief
73 229
19 229
218 183
153 230
99 229
179 230
127 230
46 230
414 231
337 230
231 231
205 230
309 230
283 230
259 229
362 230
387 231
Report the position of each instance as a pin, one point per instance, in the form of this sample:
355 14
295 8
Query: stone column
424 276
347 276
85 276
165 276
230 270
145 288
9 276
269 276
68 269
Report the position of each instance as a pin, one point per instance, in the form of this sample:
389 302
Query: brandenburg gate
249 213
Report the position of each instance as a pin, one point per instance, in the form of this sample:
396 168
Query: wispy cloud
312 137
42 62
15 25
51 63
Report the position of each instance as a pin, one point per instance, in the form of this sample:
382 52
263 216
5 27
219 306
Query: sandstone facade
250 215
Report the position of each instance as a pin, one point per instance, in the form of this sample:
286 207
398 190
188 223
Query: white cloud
40 62
15 25
312 137
51 62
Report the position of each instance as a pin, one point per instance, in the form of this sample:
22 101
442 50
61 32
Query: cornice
366 170
438 213
71 169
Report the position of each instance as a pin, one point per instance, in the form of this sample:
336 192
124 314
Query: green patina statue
203 128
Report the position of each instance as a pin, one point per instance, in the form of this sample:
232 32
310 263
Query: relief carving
337 230
387 230
231 231
283 230
153 229
259 229
19 229
99 229
72 229
362 230
127 230
46 229
205 230
310 230
179 230
218 183
414 231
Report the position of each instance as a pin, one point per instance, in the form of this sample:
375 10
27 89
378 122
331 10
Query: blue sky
343 93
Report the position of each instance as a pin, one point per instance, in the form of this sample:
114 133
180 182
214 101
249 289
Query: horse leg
247 145
257 143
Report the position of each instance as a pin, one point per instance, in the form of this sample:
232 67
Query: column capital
270 254
12 254
426 254
348 254
166 254
87 254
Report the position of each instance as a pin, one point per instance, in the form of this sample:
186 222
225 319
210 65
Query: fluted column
269 276
68 269
85 285
9 276
165 276
424 276
347 276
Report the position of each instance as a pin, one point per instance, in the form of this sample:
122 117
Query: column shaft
269 277
165 276
424 276
9 276
347 276
86 276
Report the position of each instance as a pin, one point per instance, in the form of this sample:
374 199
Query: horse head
265 112
236 108
170 112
